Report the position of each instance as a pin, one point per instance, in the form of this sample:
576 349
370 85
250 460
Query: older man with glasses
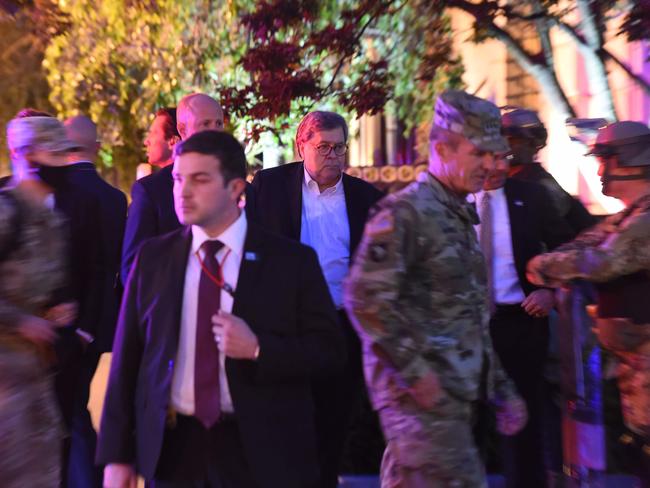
313 201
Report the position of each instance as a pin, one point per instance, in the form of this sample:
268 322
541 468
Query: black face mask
54 176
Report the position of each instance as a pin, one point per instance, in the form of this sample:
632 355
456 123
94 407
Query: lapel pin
519 203
251 256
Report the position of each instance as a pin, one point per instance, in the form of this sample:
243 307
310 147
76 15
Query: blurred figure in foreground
32 280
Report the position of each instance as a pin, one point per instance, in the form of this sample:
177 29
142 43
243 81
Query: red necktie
207 401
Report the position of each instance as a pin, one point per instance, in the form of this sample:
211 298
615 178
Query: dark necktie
485 242
207 401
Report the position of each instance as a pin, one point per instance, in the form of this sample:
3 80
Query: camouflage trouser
631 344
30 424
430 449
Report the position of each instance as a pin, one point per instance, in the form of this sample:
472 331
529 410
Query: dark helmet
525 124
628 140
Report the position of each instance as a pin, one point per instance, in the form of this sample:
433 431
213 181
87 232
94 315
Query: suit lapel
356 214
175 282
517 217
294 189
251 263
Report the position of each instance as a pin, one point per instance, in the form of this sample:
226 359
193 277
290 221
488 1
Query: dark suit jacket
112 208
151 213
277 201
577 216
535 225
82 213
282 295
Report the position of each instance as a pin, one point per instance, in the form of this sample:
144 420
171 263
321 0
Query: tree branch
544 74
571 31
589 24
590 46
638 79
523 57
543 29
344 58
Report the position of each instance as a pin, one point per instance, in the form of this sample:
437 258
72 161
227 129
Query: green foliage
22 81
120 60
417 43
354 57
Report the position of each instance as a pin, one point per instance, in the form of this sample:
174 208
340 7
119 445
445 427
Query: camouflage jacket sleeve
9 313
372 290
587 238
619 251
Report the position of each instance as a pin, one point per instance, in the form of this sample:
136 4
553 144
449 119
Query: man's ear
443 150
238 186
299 149
172 141
182 130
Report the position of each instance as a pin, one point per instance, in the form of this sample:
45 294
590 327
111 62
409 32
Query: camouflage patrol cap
628 140
474 118
38 134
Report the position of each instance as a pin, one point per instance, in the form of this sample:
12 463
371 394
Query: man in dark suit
82 174
517 223
152 206
314 202
526 136
210 381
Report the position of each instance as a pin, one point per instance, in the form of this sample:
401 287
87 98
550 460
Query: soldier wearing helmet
623 151
615 256
527 135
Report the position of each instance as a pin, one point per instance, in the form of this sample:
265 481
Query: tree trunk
594 63
599 87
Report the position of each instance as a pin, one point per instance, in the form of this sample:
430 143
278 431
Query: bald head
82 131
197 112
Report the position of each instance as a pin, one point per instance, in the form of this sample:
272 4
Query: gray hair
317 121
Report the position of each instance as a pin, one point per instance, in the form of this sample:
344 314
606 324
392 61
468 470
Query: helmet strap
644 175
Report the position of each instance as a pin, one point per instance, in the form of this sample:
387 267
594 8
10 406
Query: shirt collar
233 237
312 185
496 193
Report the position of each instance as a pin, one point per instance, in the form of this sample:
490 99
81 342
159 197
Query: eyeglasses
324 148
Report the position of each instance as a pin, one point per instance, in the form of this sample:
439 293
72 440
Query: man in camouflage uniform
526 136
417 295
615 255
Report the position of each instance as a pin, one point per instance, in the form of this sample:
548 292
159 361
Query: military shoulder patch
383 223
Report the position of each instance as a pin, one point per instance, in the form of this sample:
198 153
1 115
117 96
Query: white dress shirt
325 228
507 289
183 380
